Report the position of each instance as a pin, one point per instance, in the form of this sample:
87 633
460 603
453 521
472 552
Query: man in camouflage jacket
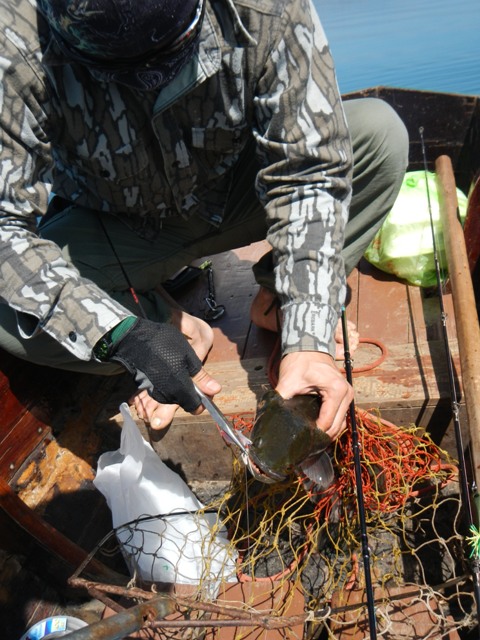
179 130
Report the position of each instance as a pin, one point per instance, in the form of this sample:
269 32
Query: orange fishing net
398 464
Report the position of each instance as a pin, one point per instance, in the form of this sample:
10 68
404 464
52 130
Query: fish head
285 434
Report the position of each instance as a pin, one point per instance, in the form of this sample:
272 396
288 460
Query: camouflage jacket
263 74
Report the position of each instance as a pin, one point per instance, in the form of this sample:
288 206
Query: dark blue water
404 43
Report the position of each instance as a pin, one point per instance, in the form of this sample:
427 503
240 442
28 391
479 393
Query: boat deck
399 367
397 322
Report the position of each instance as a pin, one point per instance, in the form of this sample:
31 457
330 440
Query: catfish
285 438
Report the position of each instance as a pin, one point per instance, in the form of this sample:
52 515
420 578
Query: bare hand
313 372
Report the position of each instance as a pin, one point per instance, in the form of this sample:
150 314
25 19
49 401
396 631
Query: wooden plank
426 314
20 443
61 548
235 288
410 387
243 382
262 595
194 448
417 331
25 413
468 330
408 617
383 312
411 372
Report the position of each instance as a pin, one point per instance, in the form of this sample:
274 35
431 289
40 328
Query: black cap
107 30
140 43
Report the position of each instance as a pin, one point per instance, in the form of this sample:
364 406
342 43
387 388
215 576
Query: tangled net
293 544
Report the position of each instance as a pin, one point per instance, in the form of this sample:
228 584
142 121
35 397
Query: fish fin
319 470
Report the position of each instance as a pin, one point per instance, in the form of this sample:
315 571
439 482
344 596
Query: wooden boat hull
49 415
451 124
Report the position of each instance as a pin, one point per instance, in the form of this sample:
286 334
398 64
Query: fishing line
122 269
454 401
359 489
451 375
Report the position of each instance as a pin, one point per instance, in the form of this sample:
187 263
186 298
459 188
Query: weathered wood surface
25 417
409 387
409 617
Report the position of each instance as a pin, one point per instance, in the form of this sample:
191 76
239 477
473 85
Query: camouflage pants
380 144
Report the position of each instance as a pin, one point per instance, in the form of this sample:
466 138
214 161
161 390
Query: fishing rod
359 488
466 491
129 283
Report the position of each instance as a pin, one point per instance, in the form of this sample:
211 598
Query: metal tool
213 310
231 434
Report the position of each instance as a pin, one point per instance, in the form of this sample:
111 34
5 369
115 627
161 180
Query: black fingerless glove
160 359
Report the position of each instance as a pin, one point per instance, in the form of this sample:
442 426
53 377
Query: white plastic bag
178 544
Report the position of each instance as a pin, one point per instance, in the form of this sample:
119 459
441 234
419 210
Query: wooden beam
47 537
466 320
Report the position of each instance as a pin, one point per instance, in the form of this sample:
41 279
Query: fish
285 437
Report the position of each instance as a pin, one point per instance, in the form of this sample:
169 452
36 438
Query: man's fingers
315 372
337 424
160 416
207 384
332 416
156 414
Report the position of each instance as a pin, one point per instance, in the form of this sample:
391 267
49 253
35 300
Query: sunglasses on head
144 61
190 32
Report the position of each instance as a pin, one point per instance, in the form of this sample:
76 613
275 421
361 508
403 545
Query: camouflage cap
129 29
140 43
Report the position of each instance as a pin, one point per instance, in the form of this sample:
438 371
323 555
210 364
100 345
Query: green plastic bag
403 245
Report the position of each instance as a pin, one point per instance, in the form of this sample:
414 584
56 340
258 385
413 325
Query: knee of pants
378 132
392 135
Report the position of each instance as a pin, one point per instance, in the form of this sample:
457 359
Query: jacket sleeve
305 180
47 292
